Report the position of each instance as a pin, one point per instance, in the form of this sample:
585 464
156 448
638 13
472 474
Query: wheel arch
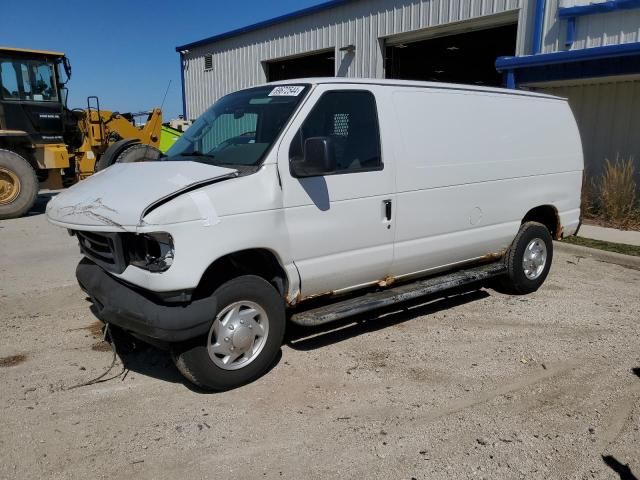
262 262
548 216
20 144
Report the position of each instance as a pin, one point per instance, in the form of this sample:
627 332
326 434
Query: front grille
105 249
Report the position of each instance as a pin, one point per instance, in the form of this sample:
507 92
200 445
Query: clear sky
124 51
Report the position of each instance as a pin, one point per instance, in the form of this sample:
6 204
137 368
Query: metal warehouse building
588 51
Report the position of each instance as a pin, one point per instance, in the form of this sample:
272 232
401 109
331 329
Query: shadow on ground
623 471
144 359
311 338
153 362
40 205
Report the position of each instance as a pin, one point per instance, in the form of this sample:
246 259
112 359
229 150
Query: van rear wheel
529 259
243 340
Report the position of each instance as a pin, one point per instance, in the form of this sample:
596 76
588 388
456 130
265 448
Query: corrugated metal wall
608 116
237 60
622 26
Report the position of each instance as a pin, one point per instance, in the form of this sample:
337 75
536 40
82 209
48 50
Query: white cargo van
364 192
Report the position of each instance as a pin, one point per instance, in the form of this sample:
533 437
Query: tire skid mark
456 406
462 404
619 417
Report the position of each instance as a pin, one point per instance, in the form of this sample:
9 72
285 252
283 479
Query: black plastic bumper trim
138 312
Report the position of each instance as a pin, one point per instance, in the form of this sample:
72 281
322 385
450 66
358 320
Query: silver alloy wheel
238 335
534 258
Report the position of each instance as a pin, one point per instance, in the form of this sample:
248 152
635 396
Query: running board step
391 296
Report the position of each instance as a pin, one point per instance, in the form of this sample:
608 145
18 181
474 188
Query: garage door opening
461 58
316 65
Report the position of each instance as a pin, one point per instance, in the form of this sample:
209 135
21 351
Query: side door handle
387 209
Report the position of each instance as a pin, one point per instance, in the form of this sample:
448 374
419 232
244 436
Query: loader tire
18 185
139 153
112 152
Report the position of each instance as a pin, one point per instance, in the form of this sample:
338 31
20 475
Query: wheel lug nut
250 327
226 339
232 348
241 322
231 327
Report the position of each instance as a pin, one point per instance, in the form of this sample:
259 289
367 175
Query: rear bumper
139 312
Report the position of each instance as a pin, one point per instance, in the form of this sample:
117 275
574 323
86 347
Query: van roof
412 83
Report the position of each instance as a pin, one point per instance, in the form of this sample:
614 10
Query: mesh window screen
341 124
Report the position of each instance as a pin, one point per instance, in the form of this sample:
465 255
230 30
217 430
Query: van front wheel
243 339
529 259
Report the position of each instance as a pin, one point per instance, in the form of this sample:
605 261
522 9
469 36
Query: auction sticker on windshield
286 91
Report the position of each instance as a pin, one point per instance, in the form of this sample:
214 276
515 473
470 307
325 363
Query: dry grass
588 197
617 190
612 199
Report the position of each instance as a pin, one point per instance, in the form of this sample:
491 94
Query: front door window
350 122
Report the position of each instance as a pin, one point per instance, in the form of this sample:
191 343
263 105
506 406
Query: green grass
602 245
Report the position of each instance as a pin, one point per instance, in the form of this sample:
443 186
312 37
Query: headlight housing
151 251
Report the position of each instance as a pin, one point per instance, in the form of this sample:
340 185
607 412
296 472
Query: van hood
121 195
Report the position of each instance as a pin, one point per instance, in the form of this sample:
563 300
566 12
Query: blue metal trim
184 96
595 53
571 32
606 67
602 7
612 60
538 25
266 23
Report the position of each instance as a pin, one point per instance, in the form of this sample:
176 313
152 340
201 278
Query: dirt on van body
477 385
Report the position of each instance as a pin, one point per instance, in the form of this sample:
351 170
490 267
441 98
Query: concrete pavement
594 232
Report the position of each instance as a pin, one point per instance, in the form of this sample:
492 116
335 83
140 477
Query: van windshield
239 128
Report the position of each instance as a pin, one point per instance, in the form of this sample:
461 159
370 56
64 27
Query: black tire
139 153
112 152
12 167
516 281
192 357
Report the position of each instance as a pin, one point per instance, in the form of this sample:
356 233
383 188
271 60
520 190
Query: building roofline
265 23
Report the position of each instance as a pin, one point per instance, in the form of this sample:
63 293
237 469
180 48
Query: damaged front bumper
140 312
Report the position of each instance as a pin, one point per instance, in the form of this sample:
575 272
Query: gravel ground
478 385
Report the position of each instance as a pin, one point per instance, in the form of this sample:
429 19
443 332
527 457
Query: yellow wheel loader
43 144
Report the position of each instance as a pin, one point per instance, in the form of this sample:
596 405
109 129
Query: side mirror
319 158
67 68
64 93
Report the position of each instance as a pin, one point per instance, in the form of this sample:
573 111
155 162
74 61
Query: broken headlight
151 251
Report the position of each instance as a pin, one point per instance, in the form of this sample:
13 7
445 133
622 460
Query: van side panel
471 165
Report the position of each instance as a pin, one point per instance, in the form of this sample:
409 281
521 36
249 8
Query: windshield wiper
197 154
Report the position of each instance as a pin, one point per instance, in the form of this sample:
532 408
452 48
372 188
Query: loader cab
31 93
